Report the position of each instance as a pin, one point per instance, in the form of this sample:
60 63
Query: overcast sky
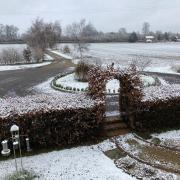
106 15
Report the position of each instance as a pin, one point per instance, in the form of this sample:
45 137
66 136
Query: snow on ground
47 57
169 135
69 81
163 92
18 47
62 54
82 163
45 87
24 66
162 81
164 56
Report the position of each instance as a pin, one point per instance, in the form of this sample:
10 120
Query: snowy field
165 57
18 47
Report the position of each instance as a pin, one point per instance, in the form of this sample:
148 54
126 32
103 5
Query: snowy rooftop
21 105
163 92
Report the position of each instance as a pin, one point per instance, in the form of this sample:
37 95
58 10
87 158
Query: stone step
115 126
112 103
117 132
112 120
112 108
112 98
112 114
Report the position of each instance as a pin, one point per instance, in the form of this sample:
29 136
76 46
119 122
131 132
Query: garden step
112 113
112 120
112 108
112 98
113 103
117 132
115 126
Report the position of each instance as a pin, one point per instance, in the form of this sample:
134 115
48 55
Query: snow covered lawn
170 138
82 163
168 135
163 56
112 85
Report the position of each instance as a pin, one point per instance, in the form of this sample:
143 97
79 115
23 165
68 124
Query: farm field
164 56
161 54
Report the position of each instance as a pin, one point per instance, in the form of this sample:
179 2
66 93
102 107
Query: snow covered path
82 163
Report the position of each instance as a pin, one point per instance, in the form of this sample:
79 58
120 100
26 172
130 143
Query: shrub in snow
78 89
27 54
81 71
38 54
74 89
22 175
52 120
11 56
66 49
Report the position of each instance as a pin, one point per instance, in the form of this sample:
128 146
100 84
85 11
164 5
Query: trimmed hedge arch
130 85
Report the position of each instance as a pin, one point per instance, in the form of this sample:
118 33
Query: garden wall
52 121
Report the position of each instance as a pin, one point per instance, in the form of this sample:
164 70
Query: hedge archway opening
130 93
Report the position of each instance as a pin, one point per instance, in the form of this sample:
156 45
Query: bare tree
146 28
43 35
141 63
76 31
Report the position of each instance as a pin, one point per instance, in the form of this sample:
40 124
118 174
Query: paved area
18 82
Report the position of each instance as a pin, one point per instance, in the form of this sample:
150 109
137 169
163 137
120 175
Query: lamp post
15 139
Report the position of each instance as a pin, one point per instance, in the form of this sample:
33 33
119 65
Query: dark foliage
56 128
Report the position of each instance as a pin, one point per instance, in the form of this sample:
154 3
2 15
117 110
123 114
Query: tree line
49 32
9 33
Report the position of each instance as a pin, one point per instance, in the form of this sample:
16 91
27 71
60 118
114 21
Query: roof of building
149 37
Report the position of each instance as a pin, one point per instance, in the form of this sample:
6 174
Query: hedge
50 126
159 108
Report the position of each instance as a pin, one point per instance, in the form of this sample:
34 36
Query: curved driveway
17 82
